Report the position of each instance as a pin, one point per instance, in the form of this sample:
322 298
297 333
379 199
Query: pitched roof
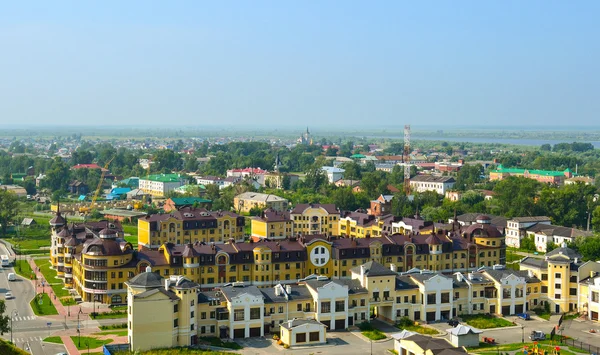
180 201
298 322
147 280
256 196
151 292
568 252
462 329
373 268
431 178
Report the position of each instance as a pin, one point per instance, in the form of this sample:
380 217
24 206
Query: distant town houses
543 176
158 185
439 184
333 174
541 230
248 200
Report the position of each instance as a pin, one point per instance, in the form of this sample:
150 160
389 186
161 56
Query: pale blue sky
293 63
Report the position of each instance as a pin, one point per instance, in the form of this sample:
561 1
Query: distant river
516 141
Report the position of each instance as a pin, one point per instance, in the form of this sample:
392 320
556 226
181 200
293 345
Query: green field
47 272
121 333
110 315
406 323
44 309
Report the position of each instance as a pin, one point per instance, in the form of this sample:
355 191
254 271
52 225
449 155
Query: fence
592 349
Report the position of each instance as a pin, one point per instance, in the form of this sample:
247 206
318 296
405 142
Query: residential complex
541 230
174 311
273 225
159 185
315 218
189 225
563 276
544 176
248 200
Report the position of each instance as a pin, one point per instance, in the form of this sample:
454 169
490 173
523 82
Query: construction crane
87 209
406 159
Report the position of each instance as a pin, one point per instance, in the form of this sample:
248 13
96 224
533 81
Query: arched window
171 227
210 270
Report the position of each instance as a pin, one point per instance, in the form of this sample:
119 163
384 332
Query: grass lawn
375 334
482 321
23 268
114 332
214 341
540 312
133 239
370 332
408 324
490 349
49 274
129 229
511 256
92 342
110 315
44 309
56 340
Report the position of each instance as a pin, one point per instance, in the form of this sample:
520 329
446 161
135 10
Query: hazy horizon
288 65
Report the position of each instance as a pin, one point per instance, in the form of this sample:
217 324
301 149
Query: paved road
28 329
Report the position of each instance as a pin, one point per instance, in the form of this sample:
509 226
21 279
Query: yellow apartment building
189 225
315 219
272 224
246 201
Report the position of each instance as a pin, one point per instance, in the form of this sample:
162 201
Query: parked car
537 335
453 323
8 295
524 316
12 276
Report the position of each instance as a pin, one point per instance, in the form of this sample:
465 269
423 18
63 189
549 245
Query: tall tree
8 208
4 319
516 196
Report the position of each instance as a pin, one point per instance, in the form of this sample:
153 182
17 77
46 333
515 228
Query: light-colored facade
300 332
516 228
333 174
561 273
189 225
439 184
248 200
315 219
159 185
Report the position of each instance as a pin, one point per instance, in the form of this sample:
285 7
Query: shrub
286 346
405 322
365 326
275 337
279 342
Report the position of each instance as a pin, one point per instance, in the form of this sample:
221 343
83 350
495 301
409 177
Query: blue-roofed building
117 192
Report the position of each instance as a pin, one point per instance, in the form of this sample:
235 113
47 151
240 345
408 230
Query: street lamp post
94 300
78 332
13 314
522 334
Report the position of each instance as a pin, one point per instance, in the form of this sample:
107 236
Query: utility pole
16 314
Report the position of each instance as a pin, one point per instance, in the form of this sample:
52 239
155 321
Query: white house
516 228
297 332
333 174
439 184
463 335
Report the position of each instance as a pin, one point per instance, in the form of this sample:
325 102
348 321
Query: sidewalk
69 312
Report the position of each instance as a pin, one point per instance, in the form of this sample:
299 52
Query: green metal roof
357 156
189 200
504 170
163 177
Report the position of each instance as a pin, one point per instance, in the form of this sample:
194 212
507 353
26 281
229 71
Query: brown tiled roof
329 207
274 216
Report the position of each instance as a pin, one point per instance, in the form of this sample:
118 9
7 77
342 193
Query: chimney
393 267
148 269
576 260
167 283
362 271
530 273
593 274
277 290
288 289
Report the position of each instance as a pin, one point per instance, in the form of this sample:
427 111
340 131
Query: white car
8 295
12 277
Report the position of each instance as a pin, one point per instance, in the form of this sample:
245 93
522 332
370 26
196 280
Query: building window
203 315
557 296
557 286
238 315
431 298
325 307
544 289
175 308
175 323
340 306
313 336
544 277
280 309
572 292
446 297
595 296
300 337
192 314
254 313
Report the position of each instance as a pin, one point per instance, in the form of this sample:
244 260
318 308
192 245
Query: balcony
374 299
